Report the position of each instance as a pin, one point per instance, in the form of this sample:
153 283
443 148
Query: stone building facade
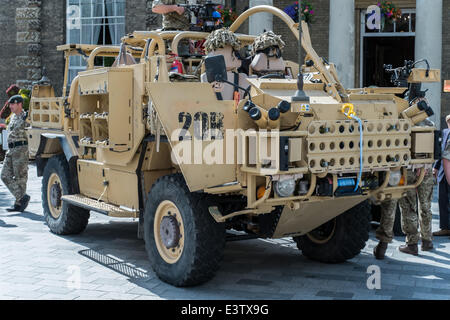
33 28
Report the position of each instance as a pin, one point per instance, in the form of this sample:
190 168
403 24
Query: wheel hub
169 232
55 195
323 233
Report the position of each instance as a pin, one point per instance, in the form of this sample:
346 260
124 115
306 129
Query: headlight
394 179
285 188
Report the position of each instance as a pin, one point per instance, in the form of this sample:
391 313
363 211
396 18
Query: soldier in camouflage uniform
385 232
410 212
412 217
5 113
174 17
15 167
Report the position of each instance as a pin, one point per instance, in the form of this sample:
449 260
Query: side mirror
216 69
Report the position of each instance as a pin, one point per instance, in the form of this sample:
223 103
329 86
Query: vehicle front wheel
339 239
184 243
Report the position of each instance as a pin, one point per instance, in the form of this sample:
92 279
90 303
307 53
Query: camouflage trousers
411 216
15 171
411 219
385 231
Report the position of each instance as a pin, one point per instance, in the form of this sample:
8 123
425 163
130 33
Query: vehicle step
100 207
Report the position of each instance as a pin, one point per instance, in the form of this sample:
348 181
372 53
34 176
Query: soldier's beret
16 99
12 90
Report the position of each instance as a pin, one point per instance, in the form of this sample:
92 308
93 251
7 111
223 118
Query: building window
392 44
100 22
407 23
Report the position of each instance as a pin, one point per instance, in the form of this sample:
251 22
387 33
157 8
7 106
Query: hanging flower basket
389 11
228 15
307 9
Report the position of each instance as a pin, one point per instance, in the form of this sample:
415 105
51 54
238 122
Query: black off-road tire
204 238
72 220
349 236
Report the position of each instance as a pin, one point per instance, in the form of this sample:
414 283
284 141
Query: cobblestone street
111 263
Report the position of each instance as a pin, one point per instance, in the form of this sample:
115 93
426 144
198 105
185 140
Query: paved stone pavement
111 263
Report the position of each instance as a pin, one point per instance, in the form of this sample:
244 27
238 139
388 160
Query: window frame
77 63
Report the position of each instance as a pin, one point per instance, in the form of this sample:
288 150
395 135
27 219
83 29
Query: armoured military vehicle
136 140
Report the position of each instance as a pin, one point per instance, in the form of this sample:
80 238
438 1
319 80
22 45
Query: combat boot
427 245
380 250
14 208
441 233
24 203
410 249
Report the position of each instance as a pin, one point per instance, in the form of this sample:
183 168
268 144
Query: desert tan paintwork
128 119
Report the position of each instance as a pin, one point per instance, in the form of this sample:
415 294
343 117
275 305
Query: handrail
268 9
116 49
97 51
157 40
306 41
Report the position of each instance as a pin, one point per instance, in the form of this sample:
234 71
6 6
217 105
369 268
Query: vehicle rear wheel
184 243
339 239
61 217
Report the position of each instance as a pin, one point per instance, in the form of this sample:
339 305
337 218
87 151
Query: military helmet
221 38
266 40
16 99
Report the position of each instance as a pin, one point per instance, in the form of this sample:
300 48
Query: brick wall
445 104
319 29
23 57
138 16
53 34
9 49
241 6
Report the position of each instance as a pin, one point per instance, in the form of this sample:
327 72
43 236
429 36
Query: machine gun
207 18
401 75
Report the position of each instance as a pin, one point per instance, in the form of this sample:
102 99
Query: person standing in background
15 167
443 179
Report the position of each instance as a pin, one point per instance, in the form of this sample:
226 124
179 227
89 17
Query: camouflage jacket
16 128
172 20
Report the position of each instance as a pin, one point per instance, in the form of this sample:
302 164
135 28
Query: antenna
300 95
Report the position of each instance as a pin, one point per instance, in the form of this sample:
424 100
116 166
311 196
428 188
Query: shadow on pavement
29 215
5 200
5 225
439 253
113 263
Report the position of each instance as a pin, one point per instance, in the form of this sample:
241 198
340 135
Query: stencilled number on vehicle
185 118
206 126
